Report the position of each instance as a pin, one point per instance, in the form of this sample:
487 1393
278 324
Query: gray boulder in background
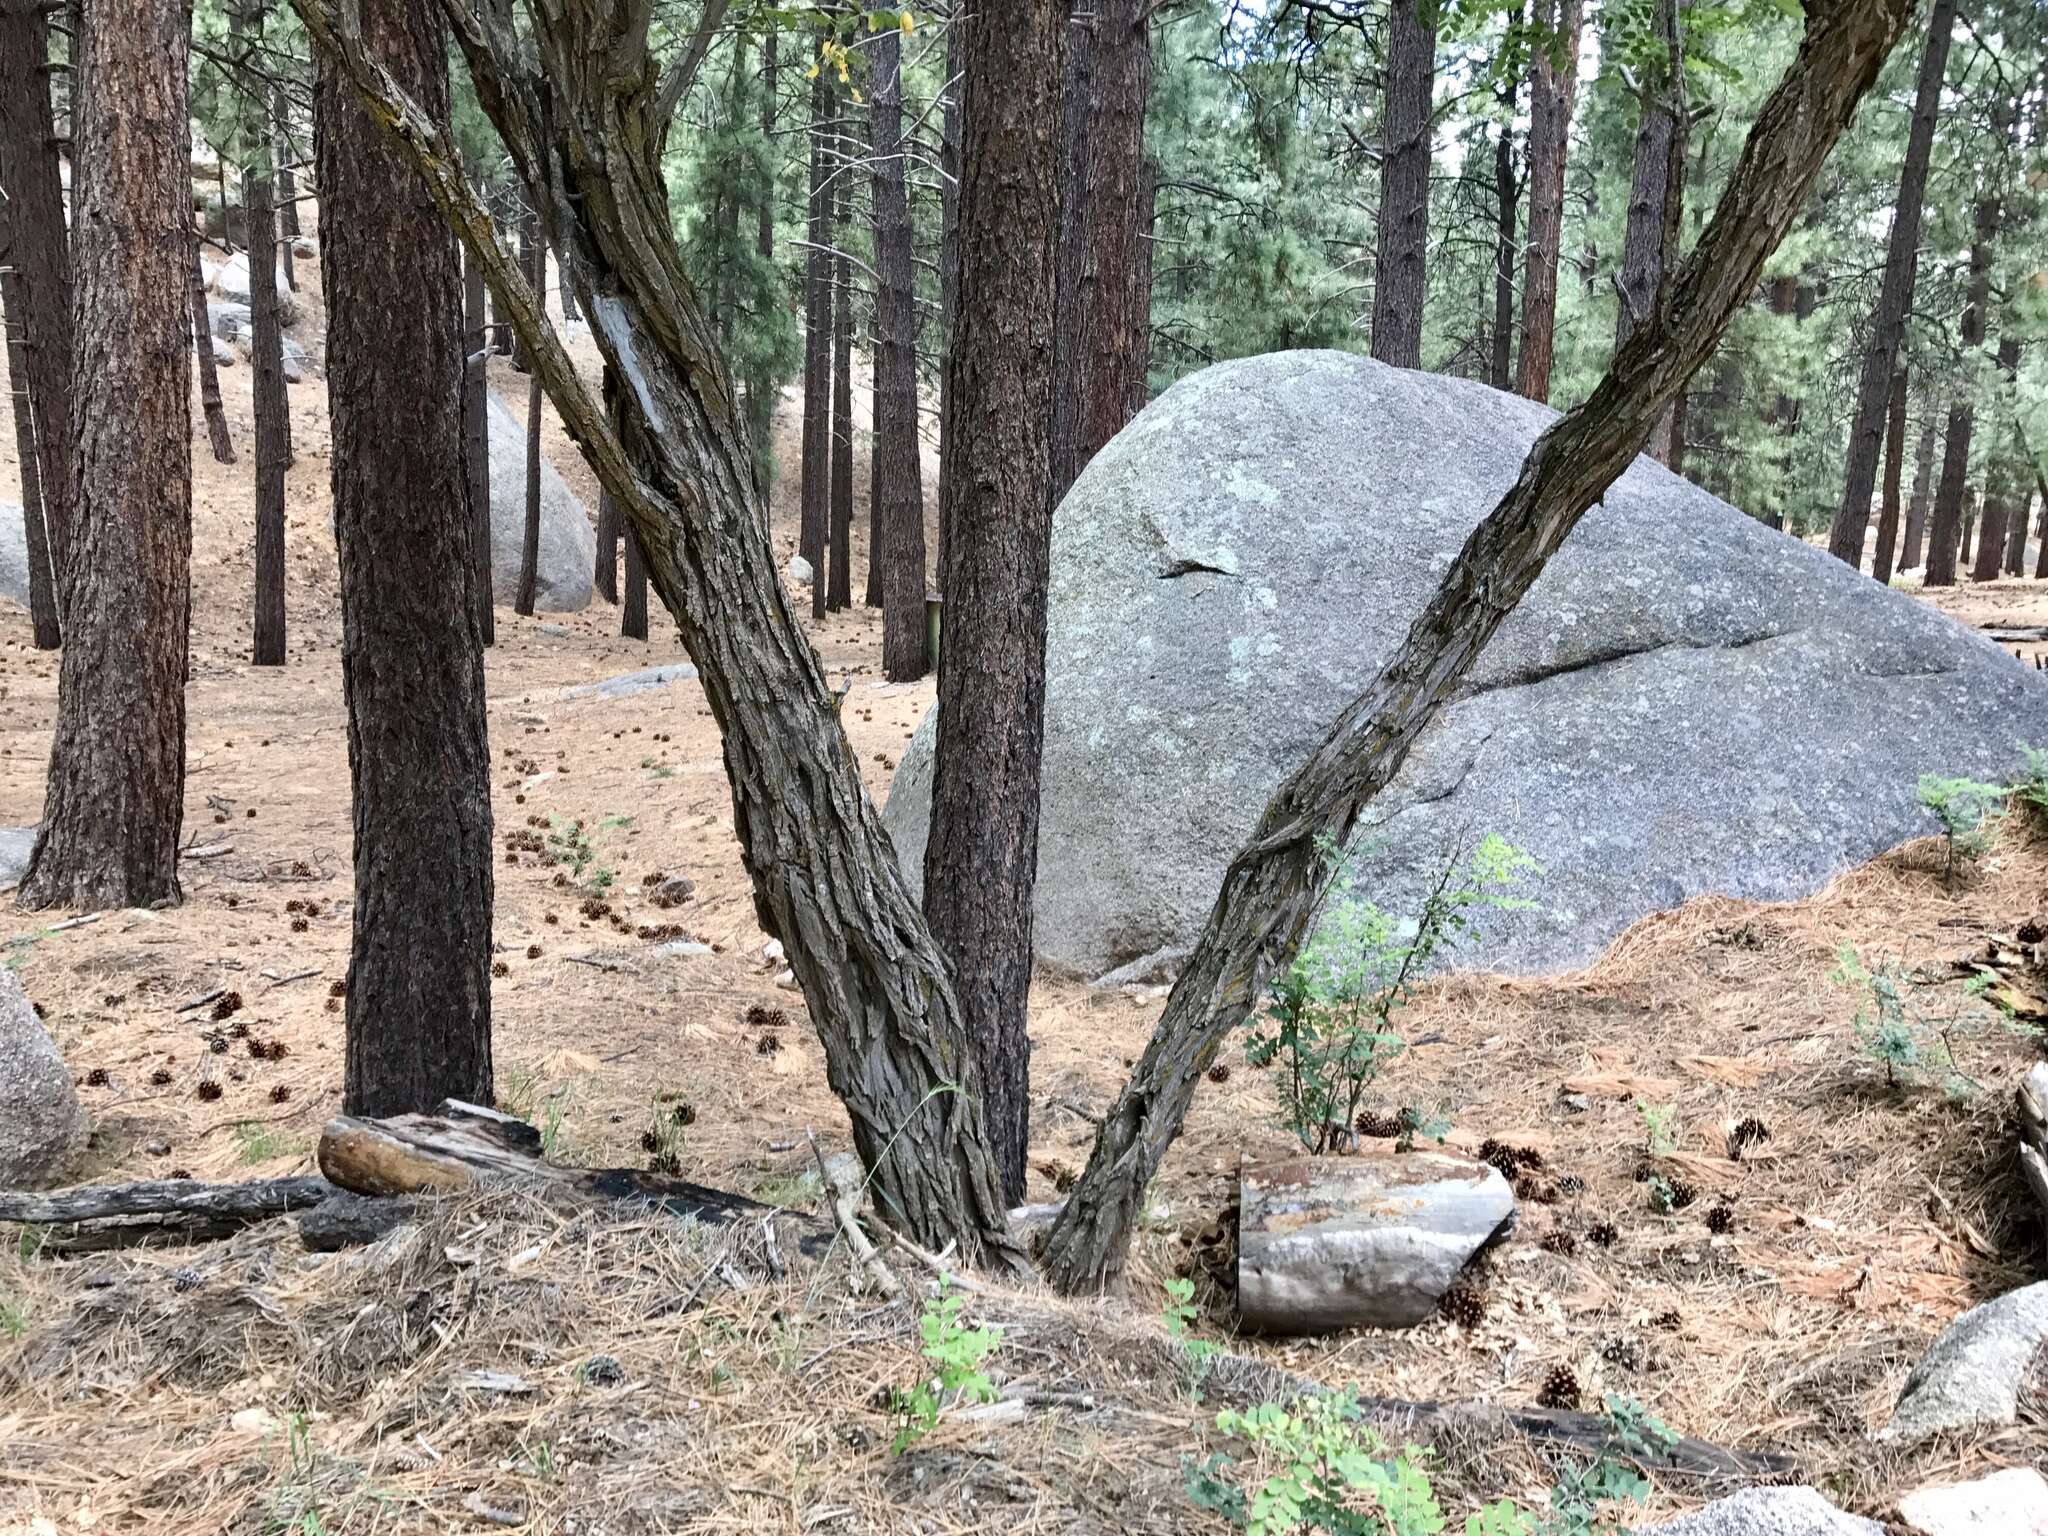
1766 1512
16 844
1975 1374
568 544
1687 702
42 1127
13 554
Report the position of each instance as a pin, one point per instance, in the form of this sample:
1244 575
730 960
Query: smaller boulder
626 684
223 354
1975 1375
2009 1503
42 1127
232 283
1371 1241
1766 1512
799 571
13 553
16 843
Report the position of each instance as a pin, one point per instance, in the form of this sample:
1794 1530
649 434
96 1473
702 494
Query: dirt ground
134 1400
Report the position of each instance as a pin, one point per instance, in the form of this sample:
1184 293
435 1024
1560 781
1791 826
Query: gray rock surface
1766 1512
42 1127
16 843
1973 1375
13 554
231 323
231 282
568 543
1371 1241
2013 1502
1687 702
626 684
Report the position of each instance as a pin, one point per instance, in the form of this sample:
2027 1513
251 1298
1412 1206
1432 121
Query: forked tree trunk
1894 473
273 440
116 791
839 591
1272 889
1895 297
1553 86
898 479
209 375
981 862
1400 263
419 983
476 447
816 464
1916 504
42 577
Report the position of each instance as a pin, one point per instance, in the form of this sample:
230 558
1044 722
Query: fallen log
96 1217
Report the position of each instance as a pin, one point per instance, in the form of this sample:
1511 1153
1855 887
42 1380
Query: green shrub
957 1353
1328 1023
1912 1043
1963 807
2030 790
1179 1316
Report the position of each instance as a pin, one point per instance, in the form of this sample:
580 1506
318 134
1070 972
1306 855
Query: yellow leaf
856 96
811 73
906 21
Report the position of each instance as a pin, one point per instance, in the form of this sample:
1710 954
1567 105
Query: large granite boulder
1977 1374
1793 1511
1687 702
42 1127
13 554
568 543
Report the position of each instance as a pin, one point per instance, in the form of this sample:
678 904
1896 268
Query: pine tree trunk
273 448
958 27
1400 264
839 592
33 234
607 574
1075 288
476 448
529 547
1656 191
2017 513
209 375
1895 297
284 191
2004 492
1553 86
1916 504
760 388
1272 889
1894 472
817 428
633 611
419 985
42 576
116 793
1507 192
897 493
982 859
1947 525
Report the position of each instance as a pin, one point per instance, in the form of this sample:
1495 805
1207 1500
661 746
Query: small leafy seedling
957 1353
1963 807
1180 1315
1660 1127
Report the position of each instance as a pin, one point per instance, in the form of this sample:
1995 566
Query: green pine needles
1965 808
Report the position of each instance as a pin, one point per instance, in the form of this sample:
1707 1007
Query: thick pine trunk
1895 296
839 590
982 860
116 792
419 987
1400 264
32 233
1916 504
1894 473
476 447
1553 86
273 428
897 485
42 576
1946 527
816 463
1507 193
606 577
209 376
1656 193
1272 889
633 606
2016 520
959 25
1075 283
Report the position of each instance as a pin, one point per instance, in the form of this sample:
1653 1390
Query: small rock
16 843
786 980
772 951
675 890
626 684
602 1371
1576 1103
799 571
1766 1512
42 1127
2009 1503
683 947
157 1148
552 631
1973 1375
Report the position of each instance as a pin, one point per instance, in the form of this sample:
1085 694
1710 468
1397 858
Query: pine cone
1749 1132
1380 1127
1721 1220
1603 1233
1560 1242
1682 1194
1560 1389
1464 1304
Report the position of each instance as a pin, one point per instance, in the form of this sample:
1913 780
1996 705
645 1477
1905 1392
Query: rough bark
284 190
958 27
1507 193
1916 504
816 463
761 388
116 790
527 596
1946 526
273 442
606 577
42 576
2005 494
1553 86
476 448
1895 296
897 487
1656 193
1272 888
1400 262
982 860
839 589
419 987
1894 473
633 608
32 232
209 376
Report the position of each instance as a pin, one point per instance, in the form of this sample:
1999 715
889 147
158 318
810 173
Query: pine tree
896 548
1553 87
1400 262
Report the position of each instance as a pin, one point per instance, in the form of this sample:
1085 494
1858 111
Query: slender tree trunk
839 592
32 233
1895 297
1916 504
960 24
2041 532
1400 265
982 860
1075 290
760 387
1553 86
897 485
1507 192
284 191
42 576
1894 473
633 611
1947 524
116 793
1272 889
529 547
607 574
419 985
273 445
209 375
476 448
2004 493
817 430
1656 194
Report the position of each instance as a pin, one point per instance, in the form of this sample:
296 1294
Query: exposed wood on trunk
1894 473
1553 87
1401 257
1272 888
116 788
